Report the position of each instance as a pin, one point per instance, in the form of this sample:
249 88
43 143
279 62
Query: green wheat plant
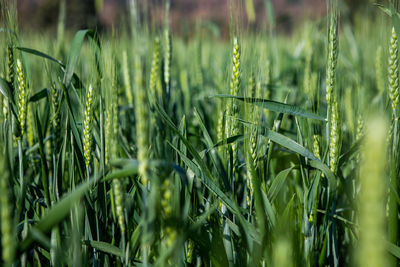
157 144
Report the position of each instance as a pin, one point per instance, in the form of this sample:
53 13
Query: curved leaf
207 178
6 90
325 169
74 54
345 157
269 209
58 212
39 95
229 140
278 183
130 167
393 249
276 106
40 54
6 30
105 247
282 140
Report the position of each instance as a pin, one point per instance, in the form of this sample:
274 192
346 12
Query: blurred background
184 14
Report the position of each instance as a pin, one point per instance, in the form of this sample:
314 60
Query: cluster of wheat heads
140 148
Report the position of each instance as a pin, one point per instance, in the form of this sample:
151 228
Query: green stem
259 205
393 208
21 168
270 145
145 246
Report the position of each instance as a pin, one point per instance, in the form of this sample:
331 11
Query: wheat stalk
393 72
232 126
371 245
7 236
142 123
167 59
87 126
331 96
10 64
127 79
22 97
154 73
29 126
380 83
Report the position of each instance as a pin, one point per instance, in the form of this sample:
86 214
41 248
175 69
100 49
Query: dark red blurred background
184 14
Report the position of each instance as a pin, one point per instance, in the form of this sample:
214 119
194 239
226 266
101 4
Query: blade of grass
276 106
281 140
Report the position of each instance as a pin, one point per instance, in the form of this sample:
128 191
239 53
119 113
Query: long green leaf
39 95
345 157
104 247
282 140
383 8
393 249
74 54
58 212
269 210
229 140
325 169
210 145
207 182
5 90
276 106
278 183
40 54
207 178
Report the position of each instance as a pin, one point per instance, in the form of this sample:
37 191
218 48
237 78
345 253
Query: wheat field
139 147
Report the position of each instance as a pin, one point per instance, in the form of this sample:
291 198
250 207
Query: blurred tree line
102 14
43 14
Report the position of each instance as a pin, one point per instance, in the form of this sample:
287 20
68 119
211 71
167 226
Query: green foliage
219 156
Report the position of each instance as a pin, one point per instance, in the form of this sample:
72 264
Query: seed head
127 80
6 230
393 72
332 60
167 58
119 199
22 97
334 137
379 70
142 123
371 199
154 74
87 130
10 64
